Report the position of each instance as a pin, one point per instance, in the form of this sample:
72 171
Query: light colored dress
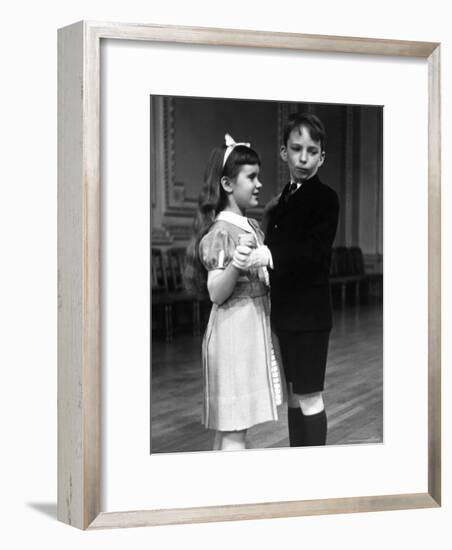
242 384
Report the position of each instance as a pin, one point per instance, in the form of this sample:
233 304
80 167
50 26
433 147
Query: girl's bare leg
217 441
231 441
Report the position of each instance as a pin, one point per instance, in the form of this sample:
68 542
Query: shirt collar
235 219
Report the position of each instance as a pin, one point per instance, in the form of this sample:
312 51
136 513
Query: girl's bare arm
221 282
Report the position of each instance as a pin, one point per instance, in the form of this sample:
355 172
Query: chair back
176 265
159 278
357 260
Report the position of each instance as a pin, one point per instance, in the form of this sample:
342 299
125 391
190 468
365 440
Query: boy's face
303 155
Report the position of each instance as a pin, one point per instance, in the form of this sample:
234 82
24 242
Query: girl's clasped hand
240 258
248 254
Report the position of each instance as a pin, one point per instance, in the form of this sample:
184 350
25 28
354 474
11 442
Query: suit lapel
296 200
286 205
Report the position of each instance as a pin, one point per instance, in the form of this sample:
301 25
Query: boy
300 232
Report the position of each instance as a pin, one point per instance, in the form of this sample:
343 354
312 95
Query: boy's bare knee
310 403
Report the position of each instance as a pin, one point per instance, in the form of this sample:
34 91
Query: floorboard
353 389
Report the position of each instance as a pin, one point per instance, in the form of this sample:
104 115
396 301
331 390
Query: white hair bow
230 144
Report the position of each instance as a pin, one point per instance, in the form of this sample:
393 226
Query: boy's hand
240 257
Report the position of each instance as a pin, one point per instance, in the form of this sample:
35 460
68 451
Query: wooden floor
353 389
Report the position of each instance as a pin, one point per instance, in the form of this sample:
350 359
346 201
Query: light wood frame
79 274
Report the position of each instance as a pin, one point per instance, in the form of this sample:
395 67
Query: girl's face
243 190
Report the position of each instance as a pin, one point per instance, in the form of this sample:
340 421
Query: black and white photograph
267 274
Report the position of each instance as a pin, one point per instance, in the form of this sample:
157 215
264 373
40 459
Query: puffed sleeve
216 249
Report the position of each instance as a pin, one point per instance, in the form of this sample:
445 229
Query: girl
242 386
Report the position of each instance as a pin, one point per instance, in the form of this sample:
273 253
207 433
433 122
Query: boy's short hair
309 121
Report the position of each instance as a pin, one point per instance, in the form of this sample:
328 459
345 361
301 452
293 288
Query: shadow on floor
49 509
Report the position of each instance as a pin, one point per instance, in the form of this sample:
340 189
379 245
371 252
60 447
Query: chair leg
357 292
371 290
343 294
196 319
168 322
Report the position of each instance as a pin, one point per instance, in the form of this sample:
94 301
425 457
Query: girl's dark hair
311 122
211 201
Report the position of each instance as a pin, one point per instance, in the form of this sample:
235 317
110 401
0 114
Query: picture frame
79 268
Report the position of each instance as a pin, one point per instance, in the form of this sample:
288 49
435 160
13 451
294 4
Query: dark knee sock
315 428
295 421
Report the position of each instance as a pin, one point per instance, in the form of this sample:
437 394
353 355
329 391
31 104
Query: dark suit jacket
300 233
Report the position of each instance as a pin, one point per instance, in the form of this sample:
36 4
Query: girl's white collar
235 219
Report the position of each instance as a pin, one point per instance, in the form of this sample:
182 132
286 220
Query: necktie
292 188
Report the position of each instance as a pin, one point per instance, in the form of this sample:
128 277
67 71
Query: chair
160 295
341 272
176 265
168 290
358 260
347 268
